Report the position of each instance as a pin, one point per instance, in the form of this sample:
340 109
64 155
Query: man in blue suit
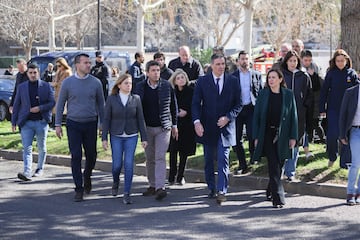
33 103
215 106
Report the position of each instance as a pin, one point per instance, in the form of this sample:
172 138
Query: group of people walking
174 107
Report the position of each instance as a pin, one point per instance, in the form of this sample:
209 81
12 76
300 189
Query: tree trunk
140 29
350 30
51 27
247 28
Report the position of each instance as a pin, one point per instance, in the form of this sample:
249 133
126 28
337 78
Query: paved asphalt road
44 209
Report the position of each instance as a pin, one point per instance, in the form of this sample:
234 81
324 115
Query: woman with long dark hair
339 77
275 130
300 84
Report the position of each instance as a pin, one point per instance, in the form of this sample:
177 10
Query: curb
247 181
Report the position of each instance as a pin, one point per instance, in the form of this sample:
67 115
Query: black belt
356 126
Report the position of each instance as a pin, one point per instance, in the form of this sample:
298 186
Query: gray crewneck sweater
84 97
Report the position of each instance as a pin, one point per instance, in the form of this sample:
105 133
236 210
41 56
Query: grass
315 170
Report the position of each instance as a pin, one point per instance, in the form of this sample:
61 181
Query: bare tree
20 22
62 10
219 19
143 6
350 30
305 19
118 20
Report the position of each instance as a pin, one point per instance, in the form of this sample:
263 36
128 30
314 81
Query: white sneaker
309 155
38 172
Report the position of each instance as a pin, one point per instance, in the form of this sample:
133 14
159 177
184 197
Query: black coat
299 82
186 142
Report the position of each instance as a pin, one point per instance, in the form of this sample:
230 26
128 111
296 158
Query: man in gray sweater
85 104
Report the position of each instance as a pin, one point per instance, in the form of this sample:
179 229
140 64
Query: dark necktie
217 85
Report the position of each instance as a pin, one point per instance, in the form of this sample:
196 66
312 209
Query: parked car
112 58
7 84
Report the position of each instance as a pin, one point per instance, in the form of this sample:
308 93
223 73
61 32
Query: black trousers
245 117
174 170
275 165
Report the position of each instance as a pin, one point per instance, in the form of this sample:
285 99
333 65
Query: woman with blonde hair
123 120
63 70
185 145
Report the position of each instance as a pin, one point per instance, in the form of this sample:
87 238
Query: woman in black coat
300 84
185 145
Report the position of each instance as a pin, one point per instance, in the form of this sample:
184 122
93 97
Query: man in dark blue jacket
101 71
31 112
136 71
186 62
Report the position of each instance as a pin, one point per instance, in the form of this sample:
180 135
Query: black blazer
121 119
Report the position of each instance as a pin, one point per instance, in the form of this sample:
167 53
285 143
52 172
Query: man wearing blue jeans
349 134
33 102
84 96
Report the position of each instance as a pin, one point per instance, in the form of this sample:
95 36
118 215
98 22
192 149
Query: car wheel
4 112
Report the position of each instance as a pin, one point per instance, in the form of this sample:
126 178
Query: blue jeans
290 164
82 134
221 154
123 150
38 128
355 162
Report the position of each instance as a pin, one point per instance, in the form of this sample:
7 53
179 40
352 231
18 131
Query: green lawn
315 170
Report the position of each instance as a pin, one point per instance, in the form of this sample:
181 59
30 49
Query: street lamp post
99 26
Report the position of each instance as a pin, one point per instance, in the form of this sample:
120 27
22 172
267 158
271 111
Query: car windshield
7 85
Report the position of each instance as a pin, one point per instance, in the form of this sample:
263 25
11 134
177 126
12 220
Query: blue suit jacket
347 111
208 106
22 105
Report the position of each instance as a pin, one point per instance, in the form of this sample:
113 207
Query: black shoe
115 189
87 185
212 194
268 198
149 192
290 179
23 177
79 196
160 194
278 205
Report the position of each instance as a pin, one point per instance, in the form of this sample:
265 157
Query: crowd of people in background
176 106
